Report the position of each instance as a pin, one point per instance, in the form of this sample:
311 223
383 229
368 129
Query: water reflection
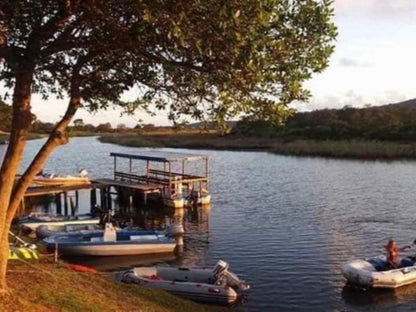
377 298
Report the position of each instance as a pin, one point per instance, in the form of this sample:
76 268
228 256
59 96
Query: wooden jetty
162 176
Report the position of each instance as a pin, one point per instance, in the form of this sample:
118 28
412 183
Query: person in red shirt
393 253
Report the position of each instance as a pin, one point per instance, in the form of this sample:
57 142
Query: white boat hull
364 274
33 225
199 285
117 249
60 181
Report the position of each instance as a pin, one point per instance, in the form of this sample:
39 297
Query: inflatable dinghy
375 273
217 285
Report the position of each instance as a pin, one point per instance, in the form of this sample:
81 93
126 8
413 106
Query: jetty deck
163 175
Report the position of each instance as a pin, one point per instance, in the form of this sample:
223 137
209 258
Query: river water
285 224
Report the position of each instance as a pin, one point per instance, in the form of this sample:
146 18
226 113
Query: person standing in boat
393 253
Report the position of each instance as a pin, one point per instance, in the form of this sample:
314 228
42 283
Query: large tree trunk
11 193
20 125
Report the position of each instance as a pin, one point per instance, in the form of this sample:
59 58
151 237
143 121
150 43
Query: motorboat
46 230
111 243
217 285
375 272
32 221
58 179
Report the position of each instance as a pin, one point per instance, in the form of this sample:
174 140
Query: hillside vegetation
386 123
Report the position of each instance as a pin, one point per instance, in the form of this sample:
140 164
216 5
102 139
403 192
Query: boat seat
143 237
96 239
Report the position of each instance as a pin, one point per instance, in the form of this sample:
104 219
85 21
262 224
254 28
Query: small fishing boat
47 230
57 179
374 272
111 243
32 221
217 285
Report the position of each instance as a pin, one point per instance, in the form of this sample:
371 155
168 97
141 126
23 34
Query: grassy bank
51 287
31 136
335 149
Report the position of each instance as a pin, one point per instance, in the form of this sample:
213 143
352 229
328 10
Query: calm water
285 224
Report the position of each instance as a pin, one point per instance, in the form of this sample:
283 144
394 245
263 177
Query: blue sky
374 63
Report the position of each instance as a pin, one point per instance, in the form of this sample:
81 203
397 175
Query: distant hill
392 122
5 116
404 104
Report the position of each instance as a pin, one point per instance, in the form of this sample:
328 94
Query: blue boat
111 243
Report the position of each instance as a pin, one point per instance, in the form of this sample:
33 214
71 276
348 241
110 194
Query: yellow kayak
25 253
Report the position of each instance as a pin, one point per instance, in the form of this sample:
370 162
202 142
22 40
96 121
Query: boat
374 272
32 221
57 179
47 230
217 285
111 243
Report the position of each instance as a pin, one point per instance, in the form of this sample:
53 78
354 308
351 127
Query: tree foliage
211 59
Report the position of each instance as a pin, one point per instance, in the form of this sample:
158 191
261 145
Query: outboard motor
83 173
220 267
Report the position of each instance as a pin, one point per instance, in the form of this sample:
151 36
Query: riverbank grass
371 150
52 287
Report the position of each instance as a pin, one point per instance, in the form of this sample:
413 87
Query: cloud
349 62
376 8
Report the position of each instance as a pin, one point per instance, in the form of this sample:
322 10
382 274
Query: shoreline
46 286
359 150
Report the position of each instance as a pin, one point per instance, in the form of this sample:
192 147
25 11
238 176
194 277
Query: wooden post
115 166
170 179
93 198
207 172
76 199
66 203
102 198
147 171
72 205
109 201
131 209
55 254
129 165
58 203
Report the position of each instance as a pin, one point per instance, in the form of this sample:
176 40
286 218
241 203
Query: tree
106 127
78 122
208 59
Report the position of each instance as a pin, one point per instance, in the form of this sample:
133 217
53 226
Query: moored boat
47 230
111 243
57 179
217 285
31 222
374 272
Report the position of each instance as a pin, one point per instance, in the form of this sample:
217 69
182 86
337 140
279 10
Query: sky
374 63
